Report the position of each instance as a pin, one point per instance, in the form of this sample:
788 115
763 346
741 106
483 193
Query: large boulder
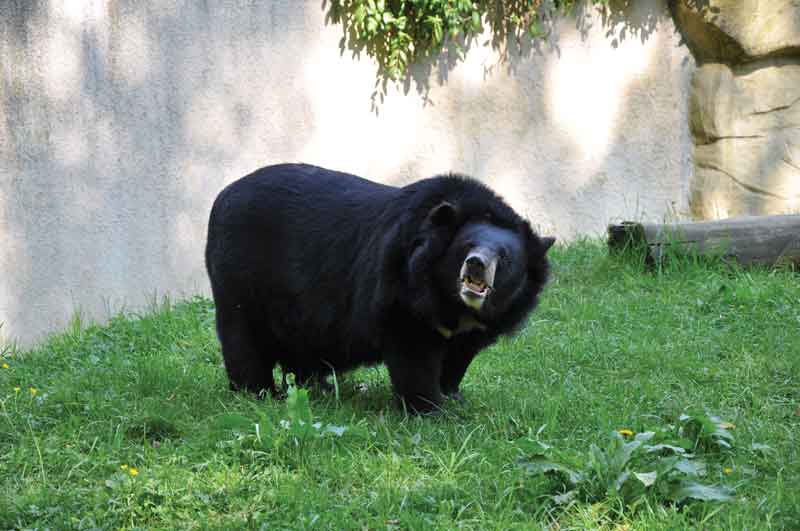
744 106
746 126
736 31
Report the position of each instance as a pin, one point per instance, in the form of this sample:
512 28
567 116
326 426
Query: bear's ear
547 243
443 214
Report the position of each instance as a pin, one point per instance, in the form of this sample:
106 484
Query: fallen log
766 240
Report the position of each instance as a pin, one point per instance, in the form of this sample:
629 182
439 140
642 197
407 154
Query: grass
611 346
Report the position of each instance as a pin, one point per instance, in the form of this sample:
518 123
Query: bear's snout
477 277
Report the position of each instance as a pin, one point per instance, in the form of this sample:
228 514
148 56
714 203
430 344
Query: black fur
319 270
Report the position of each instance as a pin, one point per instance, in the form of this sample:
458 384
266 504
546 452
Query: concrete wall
121 120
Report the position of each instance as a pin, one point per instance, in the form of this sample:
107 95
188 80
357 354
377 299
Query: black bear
322 271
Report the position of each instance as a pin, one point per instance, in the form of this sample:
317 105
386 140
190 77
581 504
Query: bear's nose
476 264
477 277
480 265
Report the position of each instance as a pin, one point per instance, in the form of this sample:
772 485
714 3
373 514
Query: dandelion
133 471
17 389
625 432
727 470
5 366
33 391
123 466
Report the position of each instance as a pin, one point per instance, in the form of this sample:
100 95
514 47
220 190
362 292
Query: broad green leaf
647 478
664 465
437 33
598 458
691 468
620 481
476 21
538 465
724 444
763 448
698 491
372 25
659 447
629 448
360 14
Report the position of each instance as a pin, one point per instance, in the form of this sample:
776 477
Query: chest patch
466 323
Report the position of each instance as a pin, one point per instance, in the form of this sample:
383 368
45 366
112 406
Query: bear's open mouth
477 277
476 286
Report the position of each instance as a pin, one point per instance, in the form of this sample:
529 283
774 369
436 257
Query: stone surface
736 31
744 106
746 126
121 121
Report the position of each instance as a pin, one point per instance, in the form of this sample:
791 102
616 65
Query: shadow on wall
123 122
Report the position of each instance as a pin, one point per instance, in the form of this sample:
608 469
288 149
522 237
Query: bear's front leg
415 380
454 366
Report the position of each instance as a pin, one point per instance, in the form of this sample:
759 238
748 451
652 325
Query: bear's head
489 268
484 264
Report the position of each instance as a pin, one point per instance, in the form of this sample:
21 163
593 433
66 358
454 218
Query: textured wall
744 106
121 120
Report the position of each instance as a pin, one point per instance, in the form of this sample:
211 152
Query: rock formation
745 105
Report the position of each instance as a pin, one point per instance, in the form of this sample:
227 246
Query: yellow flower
133 471
123 467
33 391
727 470
625 432
5 366
17 389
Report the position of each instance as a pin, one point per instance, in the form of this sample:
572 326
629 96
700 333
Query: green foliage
301 423
667 464
397 33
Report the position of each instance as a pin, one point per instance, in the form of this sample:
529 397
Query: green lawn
612 346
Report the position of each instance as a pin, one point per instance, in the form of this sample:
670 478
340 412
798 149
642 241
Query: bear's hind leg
247 362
